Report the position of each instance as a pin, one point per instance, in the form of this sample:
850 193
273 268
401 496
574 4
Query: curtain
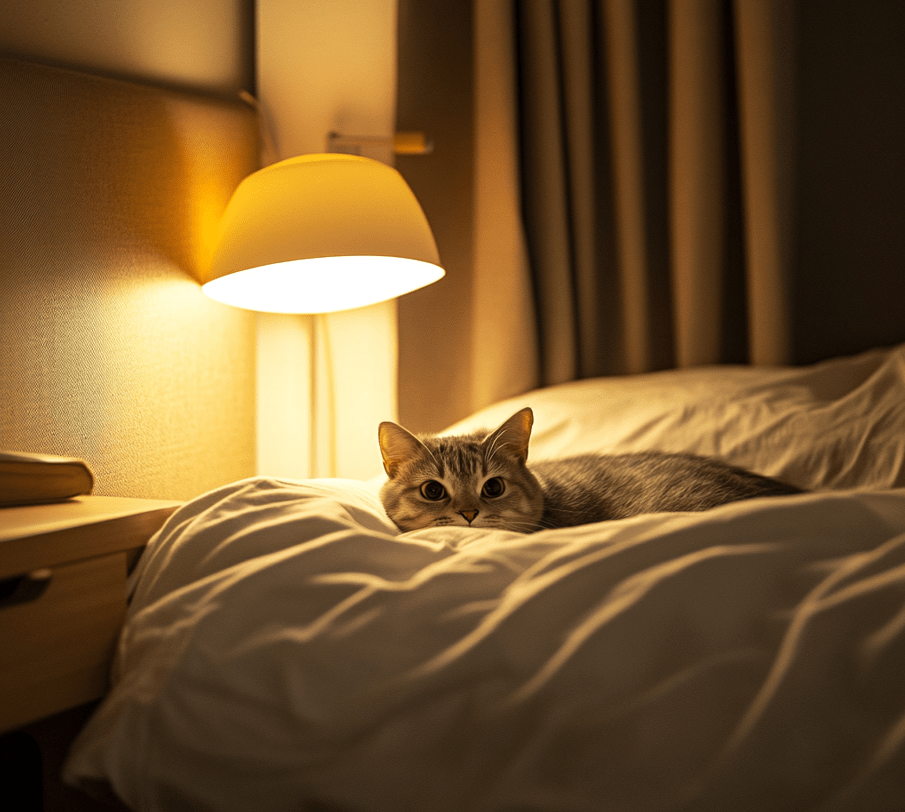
621 186
651 178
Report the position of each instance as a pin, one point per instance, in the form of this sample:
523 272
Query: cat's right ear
396 446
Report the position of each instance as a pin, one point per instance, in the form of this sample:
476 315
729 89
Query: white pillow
838 424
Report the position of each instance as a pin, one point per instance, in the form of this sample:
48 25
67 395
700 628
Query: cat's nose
468 515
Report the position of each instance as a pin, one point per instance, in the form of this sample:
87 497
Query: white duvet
287 649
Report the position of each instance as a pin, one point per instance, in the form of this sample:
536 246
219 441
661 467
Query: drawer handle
24 588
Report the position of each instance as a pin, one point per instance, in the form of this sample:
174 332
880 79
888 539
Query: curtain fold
503 340
653 140
546 185
633 42
698 166
765 77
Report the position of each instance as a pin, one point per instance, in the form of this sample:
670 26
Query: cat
483 480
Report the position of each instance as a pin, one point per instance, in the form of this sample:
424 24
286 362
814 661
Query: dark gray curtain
628 185
667 189
631 184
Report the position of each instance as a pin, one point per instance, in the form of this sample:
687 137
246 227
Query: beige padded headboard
110 194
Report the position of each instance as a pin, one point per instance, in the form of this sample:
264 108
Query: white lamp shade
320 233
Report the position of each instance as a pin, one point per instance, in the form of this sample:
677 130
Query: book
33 479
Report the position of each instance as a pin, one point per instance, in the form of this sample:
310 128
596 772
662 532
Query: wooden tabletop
84 527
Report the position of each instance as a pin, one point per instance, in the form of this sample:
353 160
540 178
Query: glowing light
322 285
321 233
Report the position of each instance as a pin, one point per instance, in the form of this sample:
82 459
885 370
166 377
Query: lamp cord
320 367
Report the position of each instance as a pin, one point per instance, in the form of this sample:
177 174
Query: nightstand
63 574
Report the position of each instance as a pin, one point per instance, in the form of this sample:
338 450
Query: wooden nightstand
63 598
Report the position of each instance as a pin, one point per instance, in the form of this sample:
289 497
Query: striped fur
483 480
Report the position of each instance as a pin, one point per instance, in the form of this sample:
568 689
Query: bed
287 648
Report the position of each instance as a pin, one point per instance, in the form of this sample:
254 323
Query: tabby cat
483 480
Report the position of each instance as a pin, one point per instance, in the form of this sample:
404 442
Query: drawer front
55 649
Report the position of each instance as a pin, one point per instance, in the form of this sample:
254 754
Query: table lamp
321 233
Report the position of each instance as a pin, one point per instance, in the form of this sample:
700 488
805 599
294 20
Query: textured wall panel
110 194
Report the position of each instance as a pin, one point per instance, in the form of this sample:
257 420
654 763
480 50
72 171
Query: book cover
31 479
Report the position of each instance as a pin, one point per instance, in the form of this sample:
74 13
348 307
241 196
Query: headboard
110 195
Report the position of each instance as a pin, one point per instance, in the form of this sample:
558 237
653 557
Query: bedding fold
286 645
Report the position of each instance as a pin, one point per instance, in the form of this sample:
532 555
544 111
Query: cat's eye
493 487
433 491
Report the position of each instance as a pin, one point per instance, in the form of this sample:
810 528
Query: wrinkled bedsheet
287 649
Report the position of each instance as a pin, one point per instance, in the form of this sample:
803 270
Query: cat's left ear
396 446
512 437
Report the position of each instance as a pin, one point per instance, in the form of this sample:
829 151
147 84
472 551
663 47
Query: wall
435 95
343 78
321 67
110 198
202 45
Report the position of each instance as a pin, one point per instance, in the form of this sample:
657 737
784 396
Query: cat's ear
512 437
396 446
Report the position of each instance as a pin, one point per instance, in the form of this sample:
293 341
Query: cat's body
594 488
483 480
